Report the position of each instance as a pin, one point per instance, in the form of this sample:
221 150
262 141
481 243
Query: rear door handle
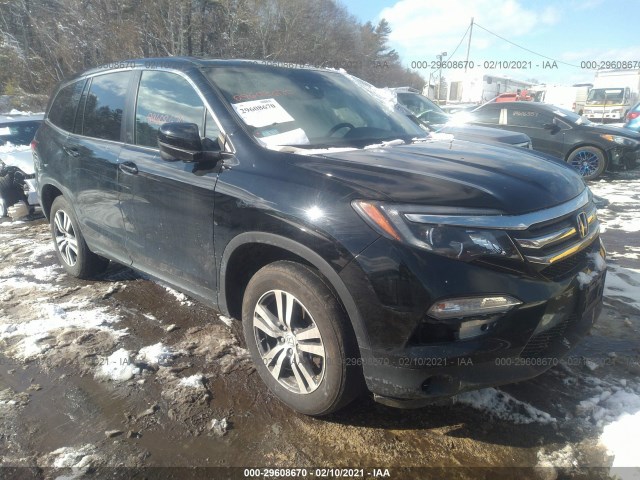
71 150
128 167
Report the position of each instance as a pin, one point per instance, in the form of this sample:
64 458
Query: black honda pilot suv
355 248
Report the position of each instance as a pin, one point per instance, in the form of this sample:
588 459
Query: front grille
558 242
570 265
539 344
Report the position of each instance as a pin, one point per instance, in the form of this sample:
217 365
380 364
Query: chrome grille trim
569 250
503 222
553 237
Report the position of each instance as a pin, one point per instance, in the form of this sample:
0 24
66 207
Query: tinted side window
162 98
104 105
63 109
524 117
487 115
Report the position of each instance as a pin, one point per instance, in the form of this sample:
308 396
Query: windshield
569 116
612 95
423 108
308 108
18 133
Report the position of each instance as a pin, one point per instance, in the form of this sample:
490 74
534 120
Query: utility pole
439 57
468 46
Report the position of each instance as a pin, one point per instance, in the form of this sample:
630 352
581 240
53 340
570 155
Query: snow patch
118 367
181 297
157 354
503 406
194 381
70 457
623 283
219 427
623 446
55 317
564 458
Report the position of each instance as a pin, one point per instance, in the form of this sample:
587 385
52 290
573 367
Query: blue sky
571 31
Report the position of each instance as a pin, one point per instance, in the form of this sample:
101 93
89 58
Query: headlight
627 142
461 243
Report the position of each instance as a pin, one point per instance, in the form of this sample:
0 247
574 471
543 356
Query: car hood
453 173
604 129
21 158
475 133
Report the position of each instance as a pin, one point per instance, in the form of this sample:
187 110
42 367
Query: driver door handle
129 167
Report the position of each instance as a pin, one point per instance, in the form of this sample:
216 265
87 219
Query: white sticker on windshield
292 137
260 113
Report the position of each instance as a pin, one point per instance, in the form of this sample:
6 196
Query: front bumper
403 366
597 115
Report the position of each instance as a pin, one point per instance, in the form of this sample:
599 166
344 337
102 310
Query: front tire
73 253
300 340
589 162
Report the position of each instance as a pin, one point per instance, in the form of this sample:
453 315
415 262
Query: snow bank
616 408
503 406
625 447
623 283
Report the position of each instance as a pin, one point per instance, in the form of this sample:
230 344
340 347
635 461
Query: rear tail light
34 144
632 115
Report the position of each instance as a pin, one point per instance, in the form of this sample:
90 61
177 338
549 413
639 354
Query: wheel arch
604 150
48 194
248 252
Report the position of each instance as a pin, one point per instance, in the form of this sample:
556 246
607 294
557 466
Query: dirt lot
121 374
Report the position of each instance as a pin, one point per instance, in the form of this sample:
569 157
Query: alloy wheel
289 342
66 238
585 162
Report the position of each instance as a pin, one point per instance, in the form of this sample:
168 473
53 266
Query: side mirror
552 127
180 141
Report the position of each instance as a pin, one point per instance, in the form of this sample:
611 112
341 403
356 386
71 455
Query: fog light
472 306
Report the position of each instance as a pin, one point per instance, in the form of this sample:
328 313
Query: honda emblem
583 224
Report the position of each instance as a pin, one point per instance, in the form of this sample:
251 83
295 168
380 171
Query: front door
168 206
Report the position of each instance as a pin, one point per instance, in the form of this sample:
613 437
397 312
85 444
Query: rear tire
9 194
300 339
589 162
73 253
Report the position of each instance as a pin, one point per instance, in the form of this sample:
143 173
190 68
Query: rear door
93 150
522 118
168 206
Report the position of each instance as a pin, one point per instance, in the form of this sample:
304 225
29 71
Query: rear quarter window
105 104
63 109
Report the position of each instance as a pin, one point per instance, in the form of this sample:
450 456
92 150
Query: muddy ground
201 404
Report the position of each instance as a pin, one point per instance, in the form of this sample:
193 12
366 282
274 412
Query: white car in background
18 195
